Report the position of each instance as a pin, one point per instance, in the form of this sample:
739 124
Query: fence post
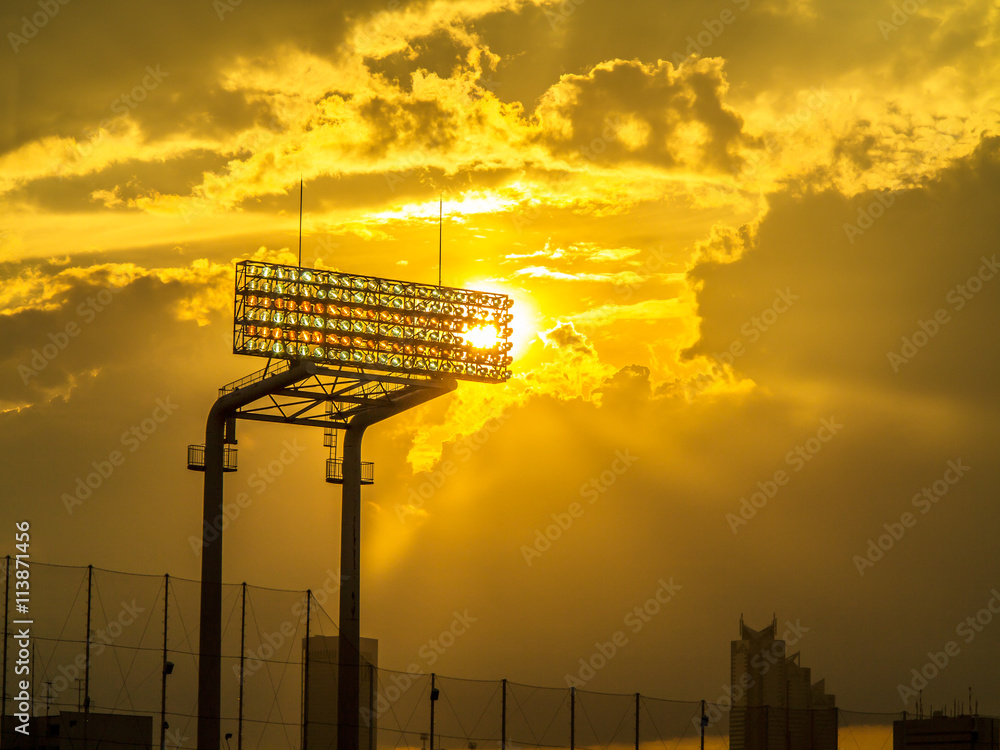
703 722
503 714
638 702
243 651
86 674
433 698
305 679
572 718
164 671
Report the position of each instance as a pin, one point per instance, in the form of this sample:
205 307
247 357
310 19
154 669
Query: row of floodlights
332 285
375 299
288 310
316 324
431 364
266 339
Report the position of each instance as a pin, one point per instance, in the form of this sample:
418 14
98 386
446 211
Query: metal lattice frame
339 319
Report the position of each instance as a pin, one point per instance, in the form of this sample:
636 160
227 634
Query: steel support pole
210 626
349 717
349 642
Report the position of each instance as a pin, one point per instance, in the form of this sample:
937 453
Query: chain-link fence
141 660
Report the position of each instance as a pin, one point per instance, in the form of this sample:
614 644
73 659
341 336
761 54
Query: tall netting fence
113 659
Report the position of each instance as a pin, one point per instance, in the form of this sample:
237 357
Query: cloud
866 272
621 110
61 325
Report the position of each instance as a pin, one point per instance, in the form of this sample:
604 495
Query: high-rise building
776 706
320 709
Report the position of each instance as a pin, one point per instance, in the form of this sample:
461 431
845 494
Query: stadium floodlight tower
351 351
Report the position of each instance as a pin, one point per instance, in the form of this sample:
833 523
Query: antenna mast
440 234
300 221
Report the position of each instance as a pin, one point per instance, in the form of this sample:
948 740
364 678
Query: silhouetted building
321 729
776 706
66 731
947 733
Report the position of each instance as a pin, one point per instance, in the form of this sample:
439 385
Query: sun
482 337
525 325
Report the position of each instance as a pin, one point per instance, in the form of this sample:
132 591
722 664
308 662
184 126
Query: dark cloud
439 54
74 72
866 275
566 338
629 111
126 179
629 386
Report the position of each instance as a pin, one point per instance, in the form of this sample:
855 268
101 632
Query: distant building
320 733
947 733
776 706
66 731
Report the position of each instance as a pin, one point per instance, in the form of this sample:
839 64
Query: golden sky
752 246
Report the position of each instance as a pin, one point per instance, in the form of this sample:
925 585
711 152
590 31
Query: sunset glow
750 250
